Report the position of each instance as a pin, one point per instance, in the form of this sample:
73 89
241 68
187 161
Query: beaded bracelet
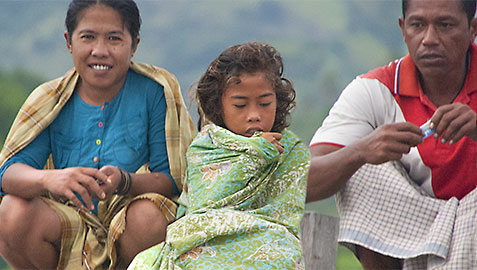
125 185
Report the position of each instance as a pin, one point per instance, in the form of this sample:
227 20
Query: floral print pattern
242 207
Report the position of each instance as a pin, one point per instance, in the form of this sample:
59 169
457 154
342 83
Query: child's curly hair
226 69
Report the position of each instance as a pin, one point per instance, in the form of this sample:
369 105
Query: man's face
437 35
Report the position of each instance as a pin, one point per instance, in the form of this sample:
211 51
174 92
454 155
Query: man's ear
473 29
401 25
68 41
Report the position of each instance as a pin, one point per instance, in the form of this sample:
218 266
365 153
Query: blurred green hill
324 43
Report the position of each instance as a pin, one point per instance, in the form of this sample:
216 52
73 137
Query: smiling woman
102 49
112 134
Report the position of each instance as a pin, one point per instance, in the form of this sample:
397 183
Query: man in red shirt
377 119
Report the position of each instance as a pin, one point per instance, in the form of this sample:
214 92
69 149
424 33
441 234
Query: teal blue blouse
127 132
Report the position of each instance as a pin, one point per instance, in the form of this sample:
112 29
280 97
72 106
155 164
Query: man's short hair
467 5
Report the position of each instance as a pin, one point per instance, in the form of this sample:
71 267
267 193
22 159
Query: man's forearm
331 167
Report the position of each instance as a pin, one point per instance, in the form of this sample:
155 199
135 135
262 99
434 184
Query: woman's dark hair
468 6
226 69
127 9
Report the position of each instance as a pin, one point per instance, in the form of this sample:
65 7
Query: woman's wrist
125 185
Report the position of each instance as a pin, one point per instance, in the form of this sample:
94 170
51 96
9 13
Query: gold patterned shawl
47 100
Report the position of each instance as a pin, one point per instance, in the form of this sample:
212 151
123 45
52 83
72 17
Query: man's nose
431 36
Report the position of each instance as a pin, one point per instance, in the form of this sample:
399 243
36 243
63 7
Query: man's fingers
404 127
454 121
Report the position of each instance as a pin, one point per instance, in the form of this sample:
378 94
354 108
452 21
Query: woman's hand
114 179
274 138
82 181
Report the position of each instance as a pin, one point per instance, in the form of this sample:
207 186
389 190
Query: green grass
346 260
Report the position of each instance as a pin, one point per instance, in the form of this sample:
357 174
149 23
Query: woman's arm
151 182
27 182
141 183
23 181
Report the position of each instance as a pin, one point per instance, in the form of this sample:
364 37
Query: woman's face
102 48
250 105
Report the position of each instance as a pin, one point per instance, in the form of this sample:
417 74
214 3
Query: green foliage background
324 43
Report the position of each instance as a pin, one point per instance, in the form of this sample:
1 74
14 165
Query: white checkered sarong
383 210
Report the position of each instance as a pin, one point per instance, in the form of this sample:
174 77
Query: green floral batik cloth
241 206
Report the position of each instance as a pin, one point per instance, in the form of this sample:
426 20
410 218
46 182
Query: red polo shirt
451 169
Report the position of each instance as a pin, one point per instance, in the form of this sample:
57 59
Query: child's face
250 105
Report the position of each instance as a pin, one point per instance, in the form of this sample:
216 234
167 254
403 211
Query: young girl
244 194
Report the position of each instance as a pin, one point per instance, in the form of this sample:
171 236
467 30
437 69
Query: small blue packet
426 129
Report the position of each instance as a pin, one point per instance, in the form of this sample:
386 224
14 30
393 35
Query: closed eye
239 106
87 36
265 104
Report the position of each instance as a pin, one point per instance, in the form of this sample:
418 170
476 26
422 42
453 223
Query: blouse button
100 124
98 142
95 159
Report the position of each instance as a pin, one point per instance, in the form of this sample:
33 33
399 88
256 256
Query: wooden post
319 240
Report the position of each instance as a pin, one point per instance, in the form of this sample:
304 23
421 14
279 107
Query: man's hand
453 121
388 142
64 183
332 166
274 138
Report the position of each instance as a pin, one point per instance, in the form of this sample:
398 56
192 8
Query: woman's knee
22 218
15 223
15 214
145 214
